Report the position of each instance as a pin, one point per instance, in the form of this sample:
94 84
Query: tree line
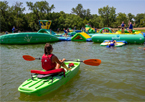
79 17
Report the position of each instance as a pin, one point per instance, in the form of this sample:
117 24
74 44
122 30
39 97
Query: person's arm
60 63
129 22
134 24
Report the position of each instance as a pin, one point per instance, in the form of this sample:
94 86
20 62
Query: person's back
46 62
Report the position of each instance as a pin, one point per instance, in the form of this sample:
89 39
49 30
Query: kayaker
50 61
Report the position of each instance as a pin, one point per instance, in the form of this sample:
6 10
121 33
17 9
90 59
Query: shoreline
142 29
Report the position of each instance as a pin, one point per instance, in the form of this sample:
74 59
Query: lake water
120 76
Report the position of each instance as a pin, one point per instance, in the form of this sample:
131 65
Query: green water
120 76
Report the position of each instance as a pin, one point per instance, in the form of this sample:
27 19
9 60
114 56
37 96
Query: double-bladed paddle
92 62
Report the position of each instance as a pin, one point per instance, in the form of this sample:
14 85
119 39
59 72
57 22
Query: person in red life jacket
49 61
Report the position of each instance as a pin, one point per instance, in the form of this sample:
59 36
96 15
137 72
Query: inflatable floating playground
45 34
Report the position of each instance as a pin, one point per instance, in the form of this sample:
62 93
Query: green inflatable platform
27 38
129 38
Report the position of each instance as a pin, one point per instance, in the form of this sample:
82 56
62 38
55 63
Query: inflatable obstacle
64 38
47 31
81 37
45 24
105 29
89 29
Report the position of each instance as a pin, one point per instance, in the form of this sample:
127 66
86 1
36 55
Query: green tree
17 13
121 17
142 22
95 20
4 18
138 19
130 17
108 15
81 12
39 10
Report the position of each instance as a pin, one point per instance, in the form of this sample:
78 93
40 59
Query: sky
125 6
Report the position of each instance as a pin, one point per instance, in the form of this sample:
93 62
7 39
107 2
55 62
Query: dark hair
47 49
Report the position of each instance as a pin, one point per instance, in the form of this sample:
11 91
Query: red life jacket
47 63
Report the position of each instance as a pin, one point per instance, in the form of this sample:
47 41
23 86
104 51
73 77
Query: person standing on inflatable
131 26
49 61
68 30
123 27
82 29
74 28
58 30
65 32
13 29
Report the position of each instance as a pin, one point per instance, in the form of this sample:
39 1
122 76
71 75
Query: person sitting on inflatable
112 43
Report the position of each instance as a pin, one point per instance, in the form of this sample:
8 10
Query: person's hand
63 59
68 68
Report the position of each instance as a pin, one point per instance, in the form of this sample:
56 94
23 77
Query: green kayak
41 86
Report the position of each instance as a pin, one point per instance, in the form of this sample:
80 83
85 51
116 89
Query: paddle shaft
65 60
92 62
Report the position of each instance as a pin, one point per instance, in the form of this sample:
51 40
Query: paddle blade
28 58
92 62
